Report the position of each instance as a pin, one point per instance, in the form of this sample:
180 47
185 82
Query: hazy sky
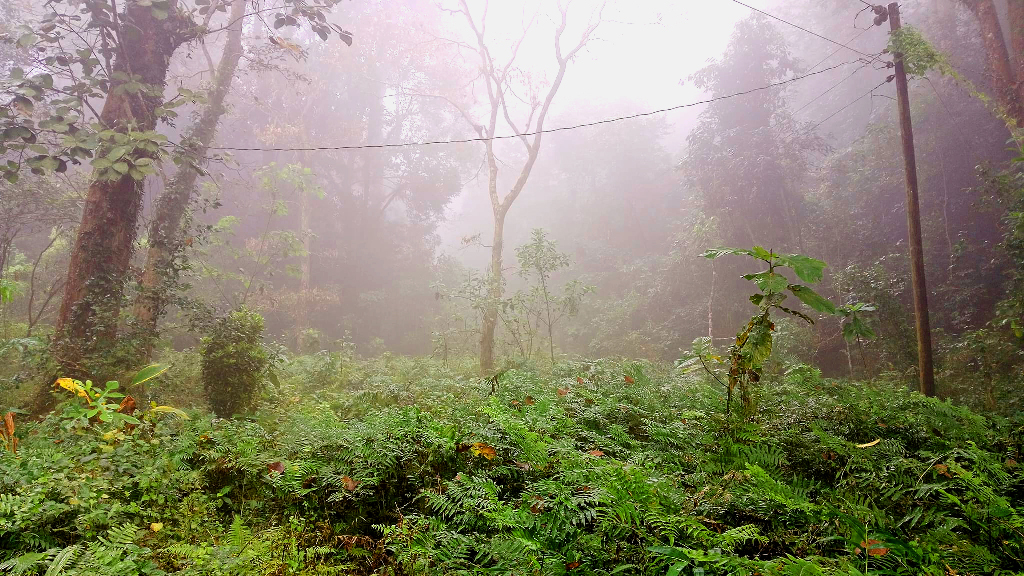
638 61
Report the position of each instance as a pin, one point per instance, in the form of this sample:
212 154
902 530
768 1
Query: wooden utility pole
924 332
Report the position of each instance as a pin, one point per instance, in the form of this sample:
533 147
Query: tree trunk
496 80
1015 13
302 316
88 319
1005 80
166 240
490 320
547 308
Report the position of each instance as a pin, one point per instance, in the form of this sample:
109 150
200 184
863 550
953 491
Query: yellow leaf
156 526
869 444
170 410
481 449
69 384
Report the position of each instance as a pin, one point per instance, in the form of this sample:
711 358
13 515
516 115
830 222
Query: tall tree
165 231
146 40
745 158
84 54
499 80
1004 53
365 267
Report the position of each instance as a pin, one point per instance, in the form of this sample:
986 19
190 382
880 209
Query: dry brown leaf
529 401
482 449
563 391
349 483
127 406
872 548
596 453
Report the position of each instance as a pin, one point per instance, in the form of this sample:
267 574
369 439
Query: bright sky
638 61
640 53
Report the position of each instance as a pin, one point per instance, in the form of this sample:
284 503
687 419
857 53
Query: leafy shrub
401 466
234 362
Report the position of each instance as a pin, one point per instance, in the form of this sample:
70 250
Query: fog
342 190
545 287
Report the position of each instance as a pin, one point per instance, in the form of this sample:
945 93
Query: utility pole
924 332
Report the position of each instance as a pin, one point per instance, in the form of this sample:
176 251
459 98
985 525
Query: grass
401 466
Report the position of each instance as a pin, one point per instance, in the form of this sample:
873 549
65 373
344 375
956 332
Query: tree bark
490 317
1015 13
100 257
302 316
1006 78
166 238
496 80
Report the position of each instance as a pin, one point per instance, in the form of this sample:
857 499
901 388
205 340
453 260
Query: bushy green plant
404 466
753 343
234 362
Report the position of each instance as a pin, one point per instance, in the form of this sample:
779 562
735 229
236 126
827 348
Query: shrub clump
234 362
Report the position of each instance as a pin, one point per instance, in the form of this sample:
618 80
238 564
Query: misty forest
511 287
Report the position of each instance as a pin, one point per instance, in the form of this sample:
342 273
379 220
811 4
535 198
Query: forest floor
402 466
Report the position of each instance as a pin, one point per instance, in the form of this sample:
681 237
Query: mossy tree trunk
88 320
167 238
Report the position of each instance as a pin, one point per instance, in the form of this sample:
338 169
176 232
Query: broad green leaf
26 40
116 153
857 328
762 254
812 299
768 282
128 419
148 373
808 269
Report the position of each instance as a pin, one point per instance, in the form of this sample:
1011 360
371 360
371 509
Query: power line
799 27
858 99
836 51
535 132
834 86
794 134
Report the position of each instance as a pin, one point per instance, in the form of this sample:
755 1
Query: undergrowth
399 466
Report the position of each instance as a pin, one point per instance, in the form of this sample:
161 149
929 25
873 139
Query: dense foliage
394 466
234 362
275 210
